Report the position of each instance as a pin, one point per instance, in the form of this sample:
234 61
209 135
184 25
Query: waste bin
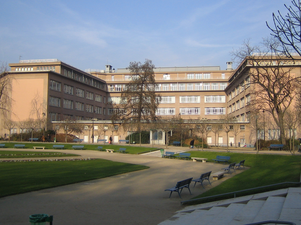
162 152
40 219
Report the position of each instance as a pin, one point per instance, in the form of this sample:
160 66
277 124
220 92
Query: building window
165 111
189 99
118 87
80 92
248 99
173 87
166 77
199 86
68 89
215 99
158 87
79 106
215 111
206 86
98 110
114 100
98 98
53 101
190 87
54 85
67 104
190 76
198 76
223 76
215 86
181 87
168 99
165 87
89 95
89 108
190 111
242 127
222 86
206 75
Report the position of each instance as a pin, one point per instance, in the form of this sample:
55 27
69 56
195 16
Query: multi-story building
58 92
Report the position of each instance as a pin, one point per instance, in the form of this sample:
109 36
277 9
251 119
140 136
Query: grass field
18 178
131 149
264 170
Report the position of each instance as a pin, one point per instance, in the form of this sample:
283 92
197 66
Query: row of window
79 106
191 111
177 87
240 103
183 99
83 78
38 68
240 88
56 86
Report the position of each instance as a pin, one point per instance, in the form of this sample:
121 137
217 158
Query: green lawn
18 178
264 170
131 149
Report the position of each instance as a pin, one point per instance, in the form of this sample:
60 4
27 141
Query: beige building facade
55 91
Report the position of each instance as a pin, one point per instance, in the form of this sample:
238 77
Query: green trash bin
162 152
40 219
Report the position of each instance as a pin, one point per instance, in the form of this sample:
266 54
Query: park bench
19 146
218 175
124 141
195 159
276 146
33 139
183 155
228 168
220 158
99 148
121 150
110 150
169 154
2 145
78 147
204 176
58 146
180 186
77 140
240 164
176 143
39 147
104 140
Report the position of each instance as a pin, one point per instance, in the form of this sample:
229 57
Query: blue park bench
276 146
202 178
124 141
58 146
168 154
121 150
180 186
77 140
2 145
220 158
33 139
183 155
99 148
103 140
19 146
78 147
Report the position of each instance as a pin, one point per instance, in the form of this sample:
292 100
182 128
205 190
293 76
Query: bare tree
5 89
70 127
287 29
291 119
139 101
272 83
215 128
9 125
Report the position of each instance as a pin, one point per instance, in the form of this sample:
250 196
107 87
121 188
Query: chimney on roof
229 65
108 69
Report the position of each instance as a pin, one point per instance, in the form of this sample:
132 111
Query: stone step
292 206
271 209
248 213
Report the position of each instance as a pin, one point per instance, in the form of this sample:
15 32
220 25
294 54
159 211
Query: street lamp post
94 119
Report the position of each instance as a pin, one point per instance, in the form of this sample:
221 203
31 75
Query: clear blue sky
93 33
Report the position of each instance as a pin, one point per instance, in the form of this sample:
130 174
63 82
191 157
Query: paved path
132 198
